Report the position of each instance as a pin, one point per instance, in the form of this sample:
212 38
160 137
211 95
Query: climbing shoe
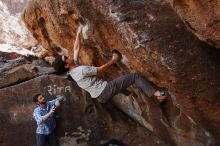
165 93
163 97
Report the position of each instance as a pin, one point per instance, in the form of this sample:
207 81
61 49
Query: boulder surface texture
155 43
201 18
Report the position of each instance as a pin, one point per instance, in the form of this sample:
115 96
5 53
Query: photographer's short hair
35 98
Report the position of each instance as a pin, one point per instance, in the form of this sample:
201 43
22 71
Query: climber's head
60 64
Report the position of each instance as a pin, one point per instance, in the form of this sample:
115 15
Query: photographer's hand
45 117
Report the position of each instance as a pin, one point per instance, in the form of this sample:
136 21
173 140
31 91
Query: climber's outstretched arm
75 51
104 67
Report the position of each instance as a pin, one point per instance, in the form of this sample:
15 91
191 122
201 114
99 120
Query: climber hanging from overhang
86 76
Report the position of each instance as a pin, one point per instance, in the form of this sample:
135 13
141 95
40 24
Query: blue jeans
119 84
43 140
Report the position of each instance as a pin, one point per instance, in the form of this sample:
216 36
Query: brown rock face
201 18
20 69
8 56
155 43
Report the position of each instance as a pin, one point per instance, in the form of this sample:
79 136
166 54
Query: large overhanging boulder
155 43
201 18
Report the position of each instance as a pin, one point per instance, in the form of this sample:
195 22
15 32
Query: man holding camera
44 116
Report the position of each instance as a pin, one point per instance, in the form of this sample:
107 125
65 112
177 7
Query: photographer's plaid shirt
44 127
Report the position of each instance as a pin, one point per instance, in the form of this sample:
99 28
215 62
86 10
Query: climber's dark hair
59 64
35 97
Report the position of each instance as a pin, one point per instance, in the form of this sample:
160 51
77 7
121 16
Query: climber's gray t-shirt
85 77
